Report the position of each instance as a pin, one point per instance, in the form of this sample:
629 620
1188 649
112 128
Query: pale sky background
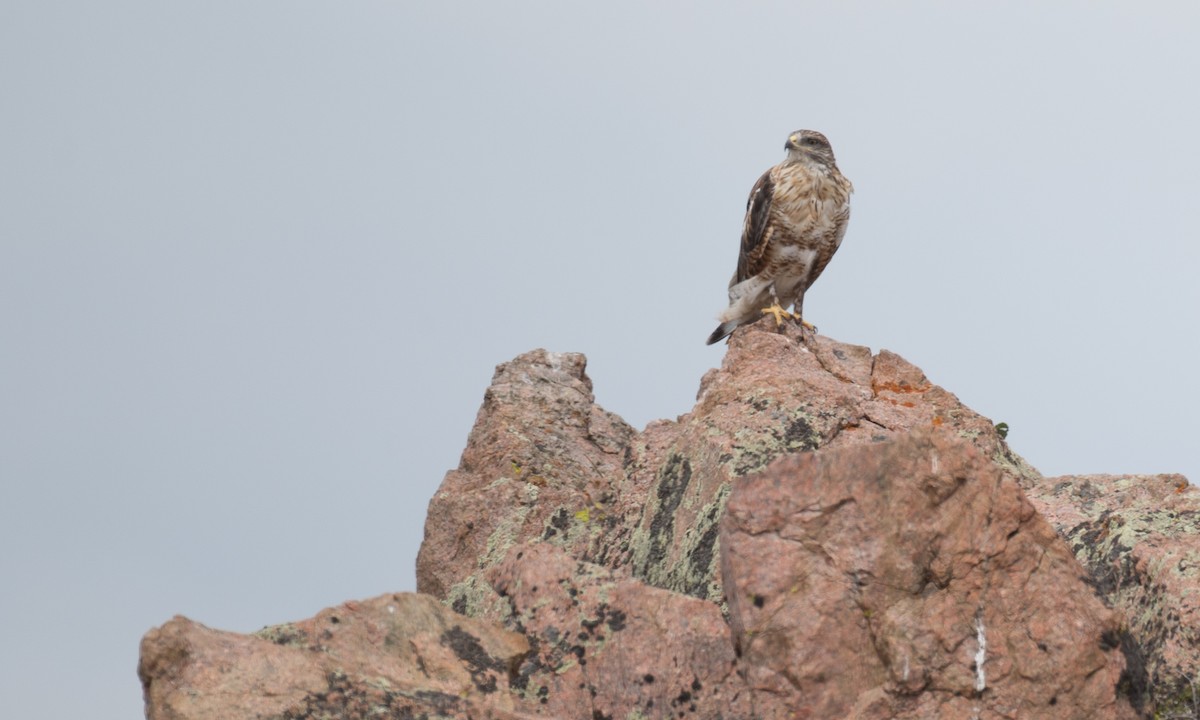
259 259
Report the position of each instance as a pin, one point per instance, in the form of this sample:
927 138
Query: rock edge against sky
911 565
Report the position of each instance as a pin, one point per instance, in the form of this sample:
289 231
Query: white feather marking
791 253
745 298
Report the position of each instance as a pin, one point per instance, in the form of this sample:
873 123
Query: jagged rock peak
827 533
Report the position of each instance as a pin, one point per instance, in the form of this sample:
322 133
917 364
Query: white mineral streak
980 654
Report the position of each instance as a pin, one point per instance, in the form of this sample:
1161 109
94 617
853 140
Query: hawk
795 219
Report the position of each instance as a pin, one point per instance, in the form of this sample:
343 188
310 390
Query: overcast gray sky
259 259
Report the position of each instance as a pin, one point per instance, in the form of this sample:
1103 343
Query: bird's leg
777 310
807 329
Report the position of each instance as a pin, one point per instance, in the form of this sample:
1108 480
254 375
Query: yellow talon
778 312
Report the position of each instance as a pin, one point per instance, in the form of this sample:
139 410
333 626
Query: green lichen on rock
699 575
567 527
790 430
1106 547
1015 465
694 482
285 634
474 597
1183 704
505 534
683 558
651 541
1188 565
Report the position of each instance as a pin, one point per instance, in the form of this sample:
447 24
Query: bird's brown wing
758 208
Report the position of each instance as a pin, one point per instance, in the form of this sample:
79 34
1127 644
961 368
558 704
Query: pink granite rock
544 462
403 655
1139 538
608 646
911 579
865 580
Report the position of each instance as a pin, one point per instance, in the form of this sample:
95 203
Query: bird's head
810 146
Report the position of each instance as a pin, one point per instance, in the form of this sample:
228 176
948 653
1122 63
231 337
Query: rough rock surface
542 454
608 646
594 566
544 462
1139 538
394 656
921 566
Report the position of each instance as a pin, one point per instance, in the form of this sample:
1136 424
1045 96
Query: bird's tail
722 331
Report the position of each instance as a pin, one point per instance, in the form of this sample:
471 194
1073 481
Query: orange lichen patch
937 421
901 387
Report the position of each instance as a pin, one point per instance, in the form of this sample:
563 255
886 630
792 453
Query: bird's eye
809 141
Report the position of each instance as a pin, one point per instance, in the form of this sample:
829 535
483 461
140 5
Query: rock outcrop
394 656
544 462
917 563
1138 536
826 534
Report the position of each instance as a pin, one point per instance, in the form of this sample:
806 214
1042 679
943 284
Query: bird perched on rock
795 219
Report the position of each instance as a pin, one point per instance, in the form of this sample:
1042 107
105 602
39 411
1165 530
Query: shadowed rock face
825 534
1138 536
